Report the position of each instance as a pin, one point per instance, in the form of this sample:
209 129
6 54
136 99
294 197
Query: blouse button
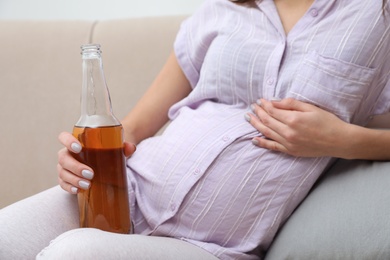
226 138
173 206
314 12
270 81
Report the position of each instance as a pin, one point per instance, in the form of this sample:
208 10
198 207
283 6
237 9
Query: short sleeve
193 40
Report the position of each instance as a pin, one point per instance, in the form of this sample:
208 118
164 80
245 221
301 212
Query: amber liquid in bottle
105 205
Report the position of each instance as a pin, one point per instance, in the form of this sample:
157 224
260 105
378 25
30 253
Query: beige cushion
39 68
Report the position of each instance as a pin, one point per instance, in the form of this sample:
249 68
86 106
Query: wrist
351 142
367 144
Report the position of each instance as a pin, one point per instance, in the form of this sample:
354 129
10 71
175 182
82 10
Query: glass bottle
105 205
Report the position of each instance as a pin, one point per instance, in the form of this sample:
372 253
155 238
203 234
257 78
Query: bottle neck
96 107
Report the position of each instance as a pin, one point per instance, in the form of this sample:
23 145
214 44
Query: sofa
345 216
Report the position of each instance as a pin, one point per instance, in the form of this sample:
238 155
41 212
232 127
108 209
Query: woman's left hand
297 128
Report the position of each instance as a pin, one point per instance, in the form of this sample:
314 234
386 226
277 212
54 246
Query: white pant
28 226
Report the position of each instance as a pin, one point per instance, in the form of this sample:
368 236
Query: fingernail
275 99
87 174
253 108
247 117
74 190
255 142
84 184
75 147
258 102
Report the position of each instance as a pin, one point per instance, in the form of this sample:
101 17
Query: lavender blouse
203 180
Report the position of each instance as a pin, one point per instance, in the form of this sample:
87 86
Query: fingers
70 142
289 104
283 123
269 144
72 189
274 121
278 110
265 123
72 175
272 141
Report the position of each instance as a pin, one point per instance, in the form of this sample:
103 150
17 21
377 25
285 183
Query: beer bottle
105 205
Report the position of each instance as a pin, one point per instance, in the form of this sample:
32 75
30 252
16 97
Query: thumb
129 149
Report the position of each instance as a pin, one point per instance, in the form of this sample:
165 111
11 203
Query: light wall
93 9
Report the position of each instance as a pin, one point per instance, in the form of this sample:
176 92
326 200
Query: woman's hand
73 175
299 129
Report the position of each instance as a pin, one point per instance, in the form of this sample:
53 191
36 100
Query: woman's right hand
73 175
